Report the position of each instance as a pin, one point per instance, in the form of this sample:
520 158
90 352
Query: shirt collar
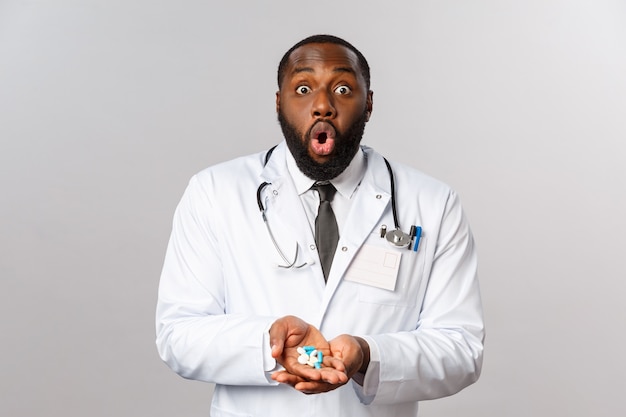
345 183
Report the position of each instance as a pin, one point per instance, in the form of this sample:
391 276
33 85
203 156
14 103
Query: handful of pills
310 356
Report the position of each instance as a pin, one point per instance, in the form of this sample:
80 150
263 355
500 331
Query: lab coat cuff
269 363
366 385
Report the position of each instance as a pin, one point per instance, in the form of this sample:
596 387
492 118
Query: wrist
365 349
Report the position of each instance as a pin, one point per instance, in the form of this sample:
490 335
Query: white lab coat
221 288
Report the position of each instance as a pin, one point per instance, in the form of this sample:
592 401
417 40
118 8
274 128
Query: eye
343 90
302 90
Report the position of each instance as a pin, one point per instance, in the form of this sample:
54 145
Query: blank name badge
375 266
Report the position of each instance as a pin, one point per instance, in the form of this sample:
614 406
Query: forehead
318 56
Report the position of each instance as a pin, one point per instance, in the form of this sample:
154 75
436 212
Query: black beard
346 146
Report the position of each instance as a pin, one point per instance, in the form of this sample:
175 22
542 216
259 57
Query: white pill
303 359
300 350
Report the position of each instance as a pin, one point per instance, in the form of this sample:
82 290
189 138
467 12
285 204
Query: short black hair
365 68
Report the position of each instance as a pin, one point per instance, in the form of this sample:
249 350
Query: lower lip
322 149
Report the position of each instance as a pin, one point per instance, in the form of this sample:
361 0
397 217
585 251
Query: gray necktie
326 230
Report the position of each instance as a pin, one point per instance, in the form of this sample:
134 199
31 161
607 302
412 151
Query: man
397 316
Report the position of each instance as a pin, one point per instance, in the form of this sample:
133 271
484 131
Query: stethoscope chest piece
398 238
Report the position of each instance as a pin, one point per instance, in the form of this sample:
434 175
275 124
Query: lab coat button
312 247
378 196
344 248
275 192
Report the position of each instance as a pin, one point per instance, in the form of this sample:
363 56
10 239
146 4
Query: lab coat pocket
409 283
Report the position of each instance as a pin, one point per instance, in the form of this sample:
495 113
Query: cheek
297 109
346 122
297 117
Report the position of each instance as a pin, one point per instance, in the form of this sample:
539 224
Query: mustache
313 128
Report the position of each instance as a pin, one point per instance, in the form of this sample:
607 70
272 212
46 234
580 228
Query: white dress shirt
346 183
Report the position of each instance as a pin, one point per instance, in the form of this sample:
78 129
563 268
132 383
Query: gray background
108 107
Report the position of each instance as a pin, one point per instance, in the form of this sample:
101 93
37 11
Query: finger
304 372
312 387
332 376
334 371
278 334
277 348
334 363
285 377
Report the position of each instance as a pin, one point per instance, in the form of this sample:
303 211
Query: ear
278 101
369 104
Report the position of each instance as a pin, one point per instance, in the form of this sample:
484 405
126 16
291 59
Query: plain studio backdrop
107 108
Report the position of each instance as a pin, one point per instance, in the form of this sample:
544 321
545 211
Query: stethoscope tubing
392 236
392 182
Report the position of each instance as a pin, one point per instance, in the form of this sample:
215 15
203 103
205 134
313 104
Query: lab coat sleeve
443 354
195 336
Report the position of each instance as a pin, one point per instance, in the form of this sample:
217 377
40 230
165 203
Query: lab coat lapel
371 200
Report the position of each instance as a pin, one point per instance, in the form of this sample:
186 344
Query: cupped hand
286 335
351 351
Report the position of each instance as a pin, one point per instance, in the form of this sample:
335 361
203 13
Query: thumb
277 339
277 347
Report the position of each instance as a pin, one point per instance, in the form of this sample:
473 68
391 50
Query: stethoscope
396 238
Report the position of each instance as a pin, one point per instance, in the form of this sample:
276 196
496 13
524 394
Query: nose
323 105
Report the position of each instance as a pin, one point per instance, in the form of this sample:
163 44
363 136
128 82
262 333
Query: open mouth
322 141
322 131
